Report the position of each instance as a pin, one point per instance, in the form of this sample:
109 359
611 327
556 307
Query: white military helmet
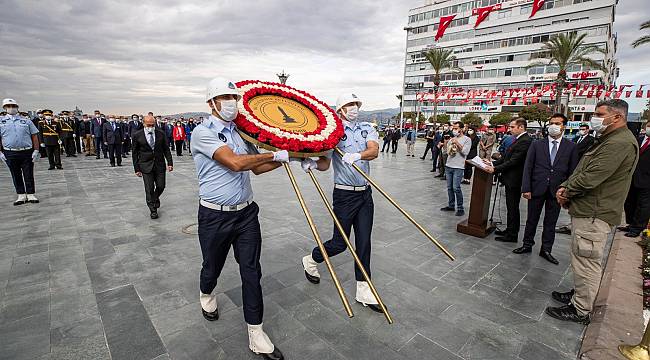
347 99
221 86
6 102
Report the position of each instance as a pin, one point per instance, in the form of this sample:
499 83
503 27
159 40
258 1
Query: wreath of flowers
327 135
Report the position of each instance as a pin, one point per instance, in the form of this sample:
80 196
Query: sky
127 57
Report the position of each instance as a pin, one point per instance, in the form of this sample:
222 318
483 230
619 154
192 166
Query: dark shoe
60 167
632 234
567 313
211 316
119 164
460 212
563 230
522 250
500 232
373 307
465 181
51 168
73 155
547 255
97 157
275 355
154 215
623 228
563 298
312 279
19 202
505 239
447 208
443 178
112 165
438 176
422 158
433 171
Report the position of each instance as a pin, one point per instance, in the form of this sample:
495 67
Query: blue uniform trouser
454 192
21 166
352 208
218 231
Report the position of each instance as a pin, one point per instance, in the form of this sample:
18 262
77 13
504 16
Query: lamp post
401 105
283 77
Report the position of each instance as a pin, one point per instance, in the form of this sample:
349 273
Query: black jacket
641 177
146 159
584 144
540 175
511 165
110 136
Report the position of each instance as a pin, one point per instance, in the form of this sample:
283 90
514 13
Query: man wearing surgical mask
637 204
228 216
594 195
548 163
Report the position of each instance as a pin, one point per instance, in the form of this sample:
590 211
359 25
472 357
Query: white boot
364 295
208 302
31 198
311 269
258 341
22 198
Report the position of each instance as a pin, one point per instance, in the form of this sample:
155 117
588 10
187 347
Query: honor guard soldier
352 198
228 216
68 133
19 149
49 136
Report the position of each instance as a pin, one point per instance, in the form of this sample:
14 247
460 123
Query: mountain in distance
378 116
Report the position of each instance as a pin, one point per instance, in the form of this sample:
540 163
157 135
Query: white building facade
495 54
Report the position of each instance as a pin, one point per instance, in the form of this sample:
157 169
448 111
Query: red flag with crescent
537 5
484 12
444 23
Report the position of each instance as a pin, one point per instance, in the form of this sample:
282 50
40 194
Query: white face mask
470 132
228 110
352 112
12 110
456 132
647 131
554 130
597 124
111 120
48 118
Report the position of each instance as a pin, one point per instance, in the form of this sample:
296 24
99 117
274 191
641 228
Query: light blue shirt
357 135
218 184
16 132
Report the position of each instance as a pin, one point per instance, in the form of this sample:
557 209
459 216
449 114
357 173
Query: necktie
645 145
553 152
151 140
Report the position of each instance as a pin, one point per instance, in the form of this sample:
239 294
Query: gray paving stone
27 339
79 341
129 331
193 342
420 347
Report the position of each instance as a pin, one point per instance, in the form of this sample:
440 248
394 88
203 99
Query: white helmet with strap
6 102
221 86
345 99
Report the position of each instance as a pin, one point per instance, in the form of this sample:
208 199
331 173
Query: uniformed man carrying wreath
49 133
19 149
352 198
227 215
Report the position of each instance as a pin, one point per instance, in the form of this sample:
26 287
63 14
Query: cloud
124 56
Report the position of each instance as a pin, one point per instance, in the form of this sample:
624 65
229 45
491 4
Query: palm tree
643 39
566 51
441 60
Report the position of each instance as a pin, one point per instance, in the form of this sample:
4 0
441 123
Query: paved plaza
86 274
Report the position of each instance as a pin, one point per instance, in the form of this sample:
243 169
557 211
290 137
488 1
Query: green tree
443 119
536 112
646 112
566 51
643 39
472 119
441 60
501 118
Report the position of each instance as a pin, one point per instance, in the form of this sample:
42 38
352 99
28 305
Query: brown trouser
89 145
588 238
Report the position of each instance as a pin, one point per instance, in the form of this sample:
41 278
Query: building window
526 9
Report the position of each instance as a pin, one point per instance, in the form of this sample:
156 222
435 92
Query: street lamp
283 77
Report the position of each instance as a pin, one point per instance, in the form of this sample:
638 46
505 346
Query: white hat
221 86
6 102
347 99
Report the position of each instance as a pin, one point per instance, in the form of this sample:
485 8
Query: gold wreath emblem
284 114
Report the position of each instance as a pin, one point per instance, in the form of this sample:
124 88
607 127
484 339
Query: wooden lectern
479 208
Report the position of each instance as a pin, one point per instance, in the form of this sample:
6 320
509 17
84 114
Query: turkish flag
628 94
484 12
444 23
639 93
537 5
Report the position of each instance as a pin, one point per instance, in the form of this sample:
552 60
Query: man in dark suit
584 140
548 164
97 131
510 167
113 136
150 150
637 203
395 136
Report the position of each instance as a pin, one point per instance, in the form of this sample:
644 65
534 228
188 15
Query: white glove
308 164
36 155
42 144
74 135
281 156
2 156
60 142
350 158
